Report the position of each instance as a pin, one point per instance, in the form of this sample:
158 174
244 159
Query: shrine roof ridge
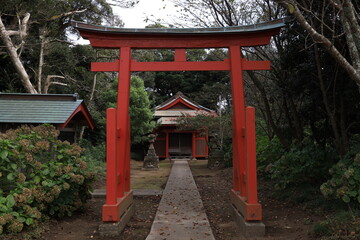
262 26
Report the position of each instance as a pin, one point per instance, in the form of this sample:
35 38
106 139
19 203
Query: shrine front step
180 157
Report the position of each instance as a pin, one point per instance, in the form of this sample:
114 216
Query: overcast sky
153 9
135 17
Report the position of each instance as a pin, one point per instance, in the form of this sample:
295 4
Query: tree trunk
48 82
12 51
330 113
298 124
43 43
343 126
287 114
352 33
82 130
277 131
350 14
41 63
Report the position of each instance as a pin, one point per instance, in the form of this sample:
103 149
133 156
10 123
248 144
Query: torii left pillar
118 208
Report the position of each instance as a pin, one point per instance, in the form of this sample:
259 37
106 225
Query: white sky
135 17
153 9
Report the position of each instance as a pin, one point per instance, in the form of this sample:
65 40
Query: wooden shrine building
65 111
172 142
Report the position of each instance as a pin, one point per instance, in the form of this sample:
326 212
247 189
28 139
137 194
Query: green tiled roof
30 108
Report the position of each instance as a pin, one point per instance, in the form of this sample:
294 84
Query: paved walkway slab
181 214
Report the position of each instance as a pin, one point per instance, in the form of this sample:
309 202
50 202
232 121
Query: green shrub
40 177
267 151
342 225
228 158
94 156
302 164
345 178
321 229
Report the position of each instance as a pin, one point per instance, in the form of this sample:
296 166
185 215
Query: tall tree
12 49
345 15
27 28
140 112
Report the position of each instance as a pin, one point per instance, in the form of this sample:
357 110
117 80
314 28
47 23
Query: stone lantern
151 160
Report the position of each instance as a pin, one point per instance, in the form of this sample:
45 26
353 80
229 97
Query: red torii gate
244 193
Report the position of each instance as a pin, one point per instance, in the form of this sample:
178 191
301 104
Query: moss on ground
141 179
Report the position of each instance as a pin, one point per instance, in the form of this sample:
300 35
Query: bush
228 158
303 164
345 178
342 225
267 151
95 157
40 177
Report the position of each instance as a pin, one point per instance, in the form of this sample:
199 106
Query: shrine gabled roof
167 115
263 26
180 96
42 108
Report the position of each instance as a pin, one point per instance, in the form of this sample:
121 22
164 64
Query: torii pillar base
114 229
249 229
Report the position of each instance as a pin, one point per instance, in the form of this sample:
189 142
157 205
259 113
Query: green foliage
217 127
343 225
140 112
345 178
267 151
301 164
40 176
228 157
95 157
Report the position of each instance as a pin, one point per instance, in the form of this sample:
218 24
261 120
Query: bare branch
66 14
48 83
23 25
58 83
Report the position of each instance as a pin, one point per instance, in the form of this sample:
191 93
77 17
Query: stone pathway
181 214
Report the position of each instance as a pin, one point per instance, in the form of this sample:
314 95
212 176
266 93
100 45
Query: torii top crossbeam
180 39
146 38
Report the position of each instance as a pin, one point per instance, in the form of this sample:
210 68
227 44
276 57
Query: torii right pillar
244 197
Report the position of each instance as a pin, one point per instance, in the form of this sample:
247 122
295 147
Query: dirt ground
85 225
282 220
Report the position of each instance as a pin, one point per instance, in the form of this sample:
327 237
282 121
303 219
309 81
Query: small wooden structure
172 142
65 111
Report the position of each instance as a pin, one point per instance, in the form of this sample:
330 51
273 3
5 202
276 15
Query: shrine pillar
247 209
118 207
